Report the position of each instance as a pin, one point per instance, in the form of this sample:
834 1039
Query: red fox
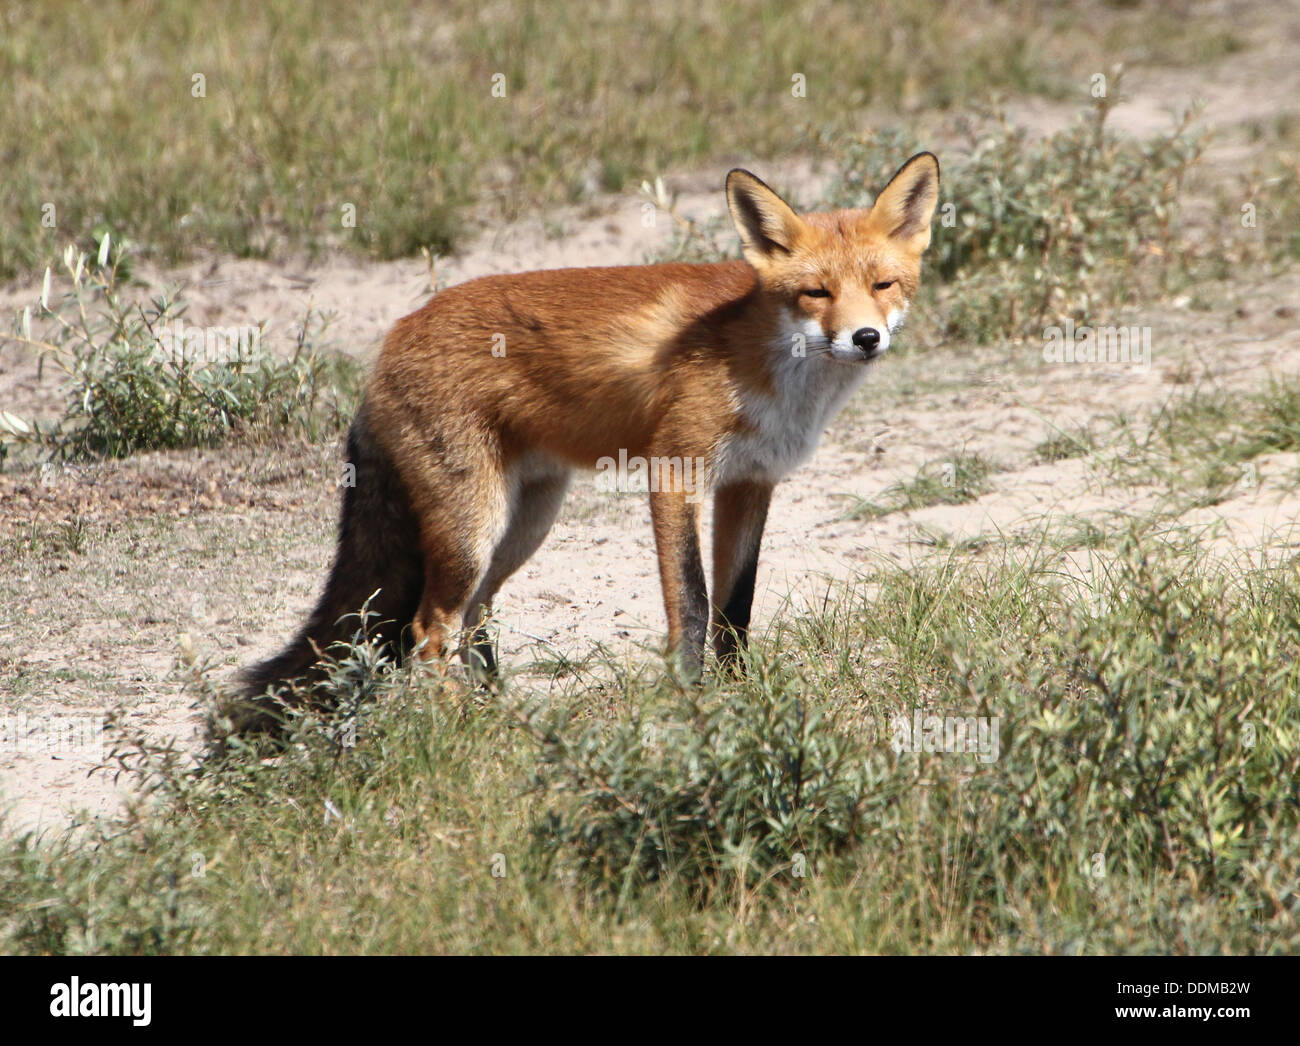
483 401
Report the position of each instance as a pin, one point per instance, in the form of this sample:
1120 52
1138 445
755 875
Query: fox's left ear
905 206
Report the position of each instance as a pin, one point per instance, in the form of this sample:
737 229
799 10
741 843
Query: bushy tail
378 549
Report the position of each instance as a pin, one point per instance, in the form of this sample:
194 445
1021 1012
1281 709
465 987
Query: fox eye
884 285
816 292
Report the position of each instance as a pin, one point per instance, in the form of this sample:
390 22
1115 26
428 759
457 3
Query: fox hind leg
461 500
535 504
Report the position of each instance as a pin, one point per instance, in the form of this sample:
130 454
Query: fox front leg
739 514
676 521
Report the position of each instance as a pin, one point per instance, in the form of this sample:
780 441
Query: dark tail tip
377 565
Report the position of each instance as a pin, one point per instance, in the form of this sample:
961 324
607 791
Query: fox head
845 277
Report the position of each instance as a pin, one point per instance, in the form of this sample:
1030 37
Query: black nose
867 339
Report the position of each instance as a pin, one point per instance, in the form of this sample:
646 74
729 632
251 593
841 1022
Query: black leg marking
695 607
733 626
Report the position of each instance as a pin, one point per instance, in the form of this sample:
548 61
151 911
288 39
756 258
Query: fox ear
905 206
767 224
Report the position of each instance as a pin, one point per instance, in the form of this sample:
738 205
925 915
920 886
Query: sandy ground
221 552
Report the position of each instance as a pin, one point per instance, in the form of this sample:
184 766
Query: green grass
1200 447
39 538
1143 799
1064 444
308 107
937 538
1079 532
952 481
133 385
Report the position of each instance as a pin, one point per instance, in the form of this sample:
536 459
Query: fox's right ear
767 224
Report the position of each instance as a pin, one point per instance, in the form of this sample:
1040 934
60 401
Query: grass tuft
135 385
954 481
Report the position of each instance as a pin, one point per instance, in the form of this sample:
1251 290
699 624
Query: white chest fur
785 426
